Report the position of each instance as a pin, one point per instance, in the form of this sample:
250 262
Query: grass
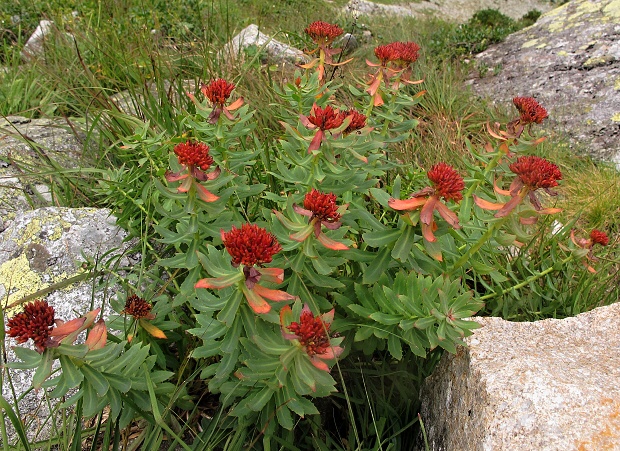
115 50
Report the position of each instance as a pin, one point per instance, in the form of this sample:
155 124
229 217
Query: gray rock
251 36
347 42
40 252
34 44
546 385
451 10
570 62
131 104
25 145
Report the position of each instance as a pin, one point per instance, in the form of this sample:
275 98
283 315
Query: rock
545 385
347 42
130 103
34 44
41 251
251 36
25 145
569 60
450 10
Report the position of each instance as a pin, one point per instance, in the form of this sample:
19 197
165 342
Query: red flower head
598 237
536 172
358 121
323 206
218 91
194 154
250 245
407 52
323 32
326 118
312 334
387 52
447 182
35 322
530 110
138 308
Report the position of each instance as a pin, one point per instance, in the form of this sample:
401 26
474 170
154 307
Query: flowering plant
279 261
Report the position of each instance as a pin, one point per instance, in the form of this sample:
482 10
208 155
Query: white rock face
251 35
34 44
548 385
451 10
39 252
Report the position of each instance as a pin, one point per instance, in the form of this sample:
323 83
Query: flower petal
185 186
236 104
272 295
427 231
176 176
316 141
273 275
485 204
448 215
98 336
218 283
151 329
204 194
319 363
426 214
331 244
407 204
509 206
255 301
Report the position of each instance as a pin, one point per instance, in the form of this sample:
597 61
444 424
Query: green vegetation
210 367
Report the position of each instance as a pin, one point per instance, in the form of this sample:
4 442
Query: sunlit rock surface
546 385
569 60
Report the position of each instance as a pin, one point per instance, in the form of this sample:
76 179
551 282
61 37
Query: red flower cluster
326 118
447 182
35 322
323 206
405 52
598 237
138 308
323 32
194 154
358 121
312 333
536 172
250 245
218 91
530 110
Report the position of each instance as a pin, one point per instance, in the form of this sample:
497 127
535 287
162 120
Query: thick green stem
527 281
483 239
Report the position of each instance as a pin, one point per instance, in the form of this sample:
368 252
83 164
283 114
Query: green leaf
227 314
382 238
119 383
17 423
71 372
377 267
395 347
403 246
96 379
45 370
71 350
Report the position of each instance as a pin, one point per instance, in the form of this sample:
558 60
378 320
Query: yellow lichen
616 117
530 43
588 7
612 9
617 84
562 53
18 279
541 46
30 232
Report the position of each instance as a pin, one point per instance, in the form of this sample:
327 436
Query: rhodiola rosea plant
282 258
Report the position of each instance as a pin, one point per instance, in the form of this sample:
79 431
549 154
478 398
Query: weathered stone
569 60
34 44
40 252
251 36
131 103
451 10
25 144
347 42
545 385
